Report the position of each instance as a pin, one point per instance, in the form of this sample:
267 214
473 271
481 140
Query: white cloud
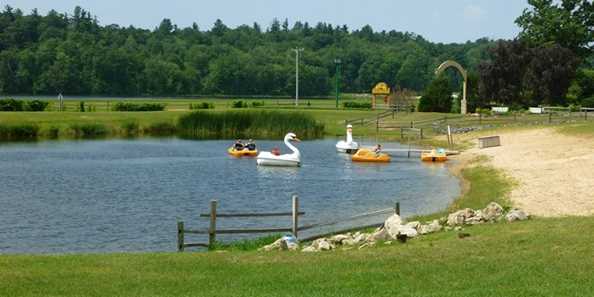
473 12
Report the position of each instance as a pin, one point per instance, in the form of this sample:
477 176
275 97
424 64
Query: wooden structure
491 141
212 230
447 64
381 89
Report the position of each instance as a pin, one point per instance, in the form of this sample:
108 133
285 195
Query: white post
297 50
463 107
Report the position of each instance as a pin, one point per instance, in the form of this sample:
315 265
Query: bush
161 129
359 105
20 105
130 128
88 130
19 132
588 102
245 124
36 105
82 106
53 132
438 96
239 104
128 106
11 105
203 105
261 103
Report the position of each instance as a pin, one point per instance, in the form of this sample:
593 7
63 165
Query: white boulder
516 215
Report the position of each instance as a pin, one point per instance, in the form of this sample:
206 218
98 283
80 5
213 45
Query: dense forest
72 53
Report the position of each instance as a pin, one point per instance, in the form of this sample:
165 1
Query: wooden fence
212 230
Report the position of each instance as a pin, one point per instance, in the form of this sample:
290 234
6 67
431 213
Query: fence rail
212 230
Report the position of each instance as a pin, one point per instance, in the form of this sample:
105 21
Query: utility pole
337 62
297 51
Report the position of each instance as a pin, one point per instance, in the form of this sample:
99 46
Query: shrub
19 132
128 106
160 129
438 96
11 105
82 106
88 130
239 104
203 105
130 128
246 124
53 132
360 105
588 102
36 105
261 103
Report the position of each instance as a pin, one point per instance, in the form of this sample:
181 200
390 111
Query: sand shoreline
554 172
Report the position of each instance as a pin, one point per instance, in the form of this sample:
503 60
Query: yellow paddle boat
242 153
365 155
435 155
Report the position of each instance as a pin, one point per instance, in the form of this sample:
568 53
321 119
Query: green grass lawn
543 257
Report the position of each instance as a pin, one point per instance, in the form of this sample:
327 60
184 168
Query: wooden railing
212 230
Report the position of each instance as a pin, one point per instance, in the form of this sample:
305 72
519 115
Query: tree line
550 62
72 53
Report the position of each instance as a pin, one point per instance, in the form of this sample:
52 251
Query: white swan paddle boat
348 146
287 160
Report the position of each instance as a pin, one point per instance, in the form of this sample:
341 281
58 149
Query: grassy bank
534 258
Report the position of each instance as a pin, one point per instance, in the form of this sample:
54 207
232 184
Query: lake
125 195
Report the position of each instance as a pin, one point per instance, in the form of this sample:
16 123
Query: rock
477 218
368 244
458 228
275 246
379 234
309 249
322 244
493 211
415 225
516 215
338 239
392 225
443 221
359 238
388 242
432 227
407 230
458 217
348 242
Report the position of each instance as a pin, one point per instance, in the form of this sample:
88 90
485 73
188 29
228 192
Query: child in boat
378 149
238 145
251 145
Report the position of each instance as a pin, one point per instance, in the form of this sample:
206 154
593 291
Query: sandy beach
554 172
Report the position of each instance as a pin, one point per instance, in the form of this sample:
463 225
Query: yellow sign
381 89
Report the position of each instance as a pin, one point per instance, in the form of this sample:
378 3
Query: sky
436 20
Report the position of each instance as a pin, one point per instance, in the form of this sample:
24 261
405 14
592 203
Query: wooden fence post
550 117
180 236
397 208
212 230
421 133
295 207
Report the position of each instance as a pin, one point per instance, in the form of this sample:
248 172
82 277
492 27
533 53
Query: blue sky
436 20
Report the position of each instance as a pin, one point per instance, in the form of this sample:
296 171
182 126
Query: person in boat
238 145
378 149
251 145
275 151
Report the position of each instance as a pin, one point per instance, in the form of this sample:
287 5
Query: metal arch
450 63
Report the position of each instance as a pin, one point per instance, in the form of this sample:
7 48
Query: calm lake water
125 195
